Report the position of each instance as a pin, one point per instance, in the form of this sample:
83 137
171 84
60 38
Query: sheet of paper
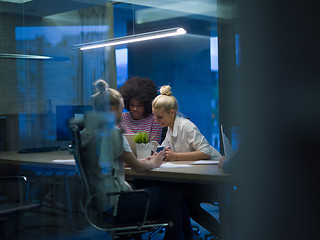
172 165
63 161
205 162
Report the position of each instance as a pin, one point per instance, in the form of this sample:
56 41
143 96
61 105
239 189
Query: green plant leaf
141 137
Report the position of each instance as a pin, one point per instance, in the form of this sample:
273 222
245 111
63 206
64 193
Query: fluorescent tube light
132 38
23 56
17 1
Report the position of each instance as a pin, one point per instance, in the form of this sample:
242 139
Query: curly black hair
142 89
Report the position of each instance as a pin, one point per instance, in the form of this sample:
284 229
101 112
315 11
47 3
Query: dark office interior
249 65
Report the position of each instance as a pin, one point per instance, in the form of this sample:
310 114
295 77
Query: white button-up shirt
186 137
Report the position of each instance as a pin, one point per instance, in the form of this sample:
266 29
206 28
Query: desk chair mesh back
91 206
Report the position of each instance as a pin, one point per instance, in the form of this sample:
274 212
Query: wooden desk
196 173
202 174
43 159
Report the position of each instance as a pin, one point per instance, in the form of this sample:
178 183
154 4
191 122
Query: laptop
132 143
227 147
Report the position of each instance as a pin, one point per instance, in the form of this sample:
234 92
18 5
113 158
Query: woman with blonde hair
184 141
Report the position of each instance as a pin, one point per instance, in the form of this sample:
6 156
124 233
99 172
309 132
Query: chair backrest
94 191
89 204
77 155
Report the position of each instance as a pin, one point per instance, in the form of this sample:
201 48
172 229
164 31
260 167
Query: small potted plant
143 144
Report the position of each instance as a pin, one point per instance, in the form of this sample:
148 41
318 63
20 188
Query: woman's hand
170 155
157 159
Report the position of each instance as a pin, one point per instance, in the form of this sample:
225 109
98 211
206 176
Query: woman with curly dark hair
138 93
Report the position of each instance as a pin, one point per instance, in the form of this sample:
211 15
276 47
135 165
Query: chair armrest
14 179
20 180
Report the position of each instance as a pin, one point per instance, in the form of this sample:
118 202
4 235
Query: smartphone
159 149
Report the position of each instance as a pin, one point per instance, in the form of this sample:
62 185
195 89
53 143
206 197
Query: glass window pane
33 89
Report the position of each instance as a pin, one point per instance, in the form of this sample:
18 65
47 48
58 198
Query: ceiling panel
155 9
42 8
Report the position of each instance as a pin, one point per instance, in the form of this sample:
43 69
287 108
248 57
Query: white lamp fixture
17 1
23 56
17 55
132 38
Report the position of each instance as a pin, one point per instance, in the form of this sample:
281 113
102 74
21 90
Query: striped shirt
148 124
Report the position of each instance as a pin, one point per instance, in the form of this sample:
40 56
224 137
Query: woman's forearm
139 165
190 156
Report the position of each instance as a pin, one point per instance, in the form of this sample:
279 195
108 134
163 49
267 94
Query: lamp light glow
23 56
133 38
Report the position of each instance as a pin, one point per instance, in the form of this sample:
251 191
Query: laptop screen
132 143
226 145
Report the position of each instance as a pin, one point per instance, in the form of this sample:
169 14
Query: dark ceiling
43 8
200 16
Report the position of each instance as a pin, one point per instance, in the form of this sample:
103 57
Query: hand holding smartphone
159 149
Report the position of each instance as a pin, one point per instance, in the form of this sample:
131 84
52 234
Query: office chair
13 203
95 218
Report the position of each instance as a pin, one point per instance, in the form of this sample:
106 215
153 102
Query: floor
36 227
